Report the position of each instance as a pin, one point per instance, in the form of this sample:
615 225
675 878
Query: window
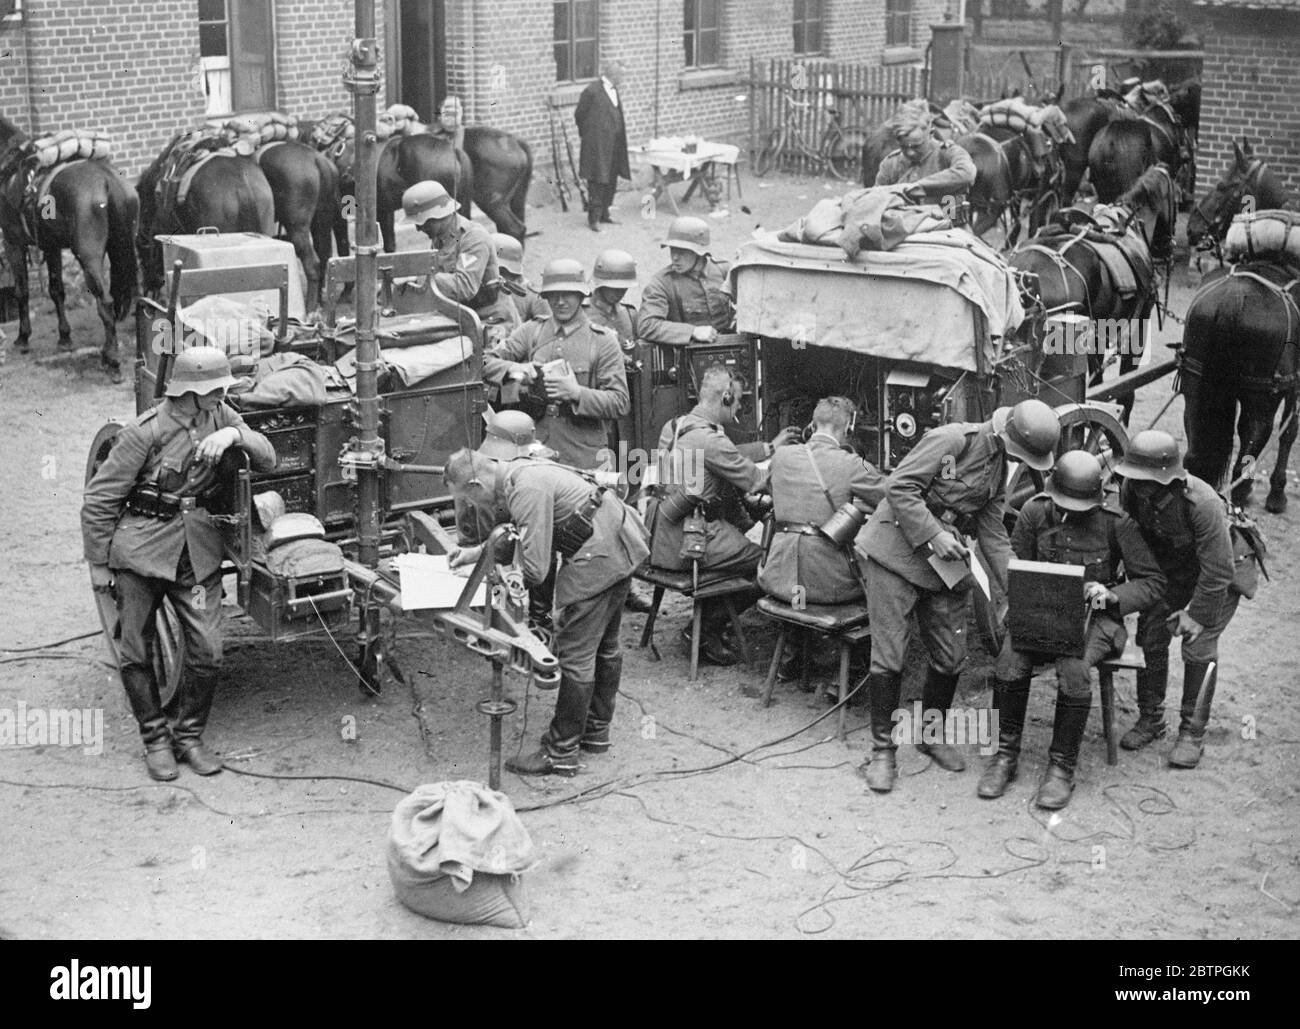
701 33
898 22
577 44
807 26
237 55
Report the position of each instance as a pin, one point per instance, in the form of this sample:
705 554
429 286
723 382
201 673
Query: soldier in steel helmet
1070 524
464 261
147 536
602 542
687 301
1184 522
949 487
613 274
527 302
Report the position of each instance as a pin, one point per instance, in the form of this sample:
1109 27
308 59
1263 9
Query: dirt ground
712 817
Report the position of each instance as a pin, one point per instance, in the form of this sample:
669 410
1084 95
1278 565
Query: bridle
1231 206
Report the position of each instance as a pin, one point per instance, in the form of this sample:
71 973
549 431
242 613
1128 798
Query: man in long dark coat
603 159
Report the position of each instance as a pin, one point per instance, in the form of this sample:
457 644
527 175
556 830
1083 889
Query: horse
503 171
227 193
1125 147
1004 169
1072 274
87 209
305 185
1086 116
1238 358
408 159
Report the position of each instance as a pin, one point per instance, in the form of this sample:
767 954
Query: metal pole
362 80
494 744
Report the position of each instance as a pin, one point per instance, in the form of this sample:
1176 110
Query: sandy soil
697 824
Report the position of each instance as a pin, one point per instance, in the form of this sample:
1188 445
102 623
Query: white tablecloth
669 156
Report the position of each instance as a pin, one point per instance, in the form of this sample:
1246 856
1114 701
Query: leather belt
801 528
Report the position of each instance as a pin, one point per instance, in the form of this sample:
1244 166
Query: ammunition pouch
956 522
570 534
148 501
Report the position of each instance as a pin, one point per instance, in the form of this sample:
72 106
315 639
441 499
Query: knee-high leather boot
193 702
1191 727
1151 684
940 688
1012 699
559 751
142 694
609 673
885 687
1063 755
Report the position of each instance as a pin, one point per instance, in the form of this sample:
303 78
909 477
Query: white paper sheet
428 583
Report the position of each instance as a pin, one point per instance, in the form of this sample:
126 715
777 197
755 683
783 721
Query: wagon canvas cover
932 299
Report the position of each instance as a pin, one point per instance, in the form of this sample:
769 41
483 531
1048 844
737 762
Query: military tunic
465 265
1188 534
797 555
531 304
719 472
945 169
620 319
1101 541
576 430
673 305
953 480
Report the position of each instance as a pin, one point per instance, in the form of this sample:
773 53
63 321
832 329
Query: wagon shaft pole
1126 385
362 80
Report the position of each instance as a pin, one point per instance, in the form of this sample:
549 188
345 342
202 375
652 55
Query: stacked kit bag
259 129
70 145
1264 235
399 120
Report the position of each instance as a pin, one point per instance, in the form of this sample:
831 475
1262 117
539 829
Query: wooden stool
844 623
719 588
1132 658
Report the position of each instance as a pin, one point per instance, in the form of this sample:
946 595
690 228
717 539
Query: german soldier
1069 524
601 541
527 302
711 472
922 167
464 265
952 484
1185 524
145 531
686 302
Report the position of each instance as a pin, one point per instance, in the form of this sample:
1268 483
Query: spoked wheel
843 153
1083 427
167 642
770 153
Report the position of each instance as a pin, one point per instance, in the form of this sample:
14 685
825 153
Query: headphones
839 403
728 398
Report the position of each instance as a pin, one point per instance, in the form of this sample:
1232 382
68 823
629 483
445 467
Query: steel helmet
509 434
615 269
565 275
427 199
687 233
1152 455
1076 482
200 370
510 253
1030 432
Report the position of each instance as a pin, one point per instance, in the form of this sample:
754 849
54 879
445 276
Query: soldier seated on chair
810 482
708 478
1070 524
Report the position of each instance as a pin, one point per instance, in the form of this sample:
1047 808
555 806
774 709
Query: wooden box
1048 612
291 607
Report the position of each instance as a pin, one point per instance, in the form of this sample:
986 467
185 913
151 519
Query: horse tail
123 211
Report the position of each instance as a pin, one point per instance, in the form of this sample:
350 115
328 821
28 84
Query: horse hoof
1276 502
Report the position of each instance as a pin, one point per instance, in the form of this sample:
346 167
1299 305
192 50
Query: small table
672 163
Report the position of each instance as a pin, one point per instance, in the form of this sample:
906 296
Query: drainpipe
658 38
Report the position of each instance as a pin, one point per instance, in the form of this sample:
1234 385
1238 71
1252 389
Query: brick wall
312 42
1251 87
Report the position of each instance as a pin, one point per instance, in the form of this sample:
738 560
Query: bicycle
839 150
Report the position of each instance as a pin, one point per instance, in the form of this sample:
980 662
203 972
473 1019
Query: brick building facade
1251 85
134 70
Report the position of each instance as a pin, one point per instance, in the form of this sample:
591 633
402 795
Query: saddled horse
503 171
1086 116
1125 147
305 185
1239 360
85 208
408 159
1004 170
228 193
1079 269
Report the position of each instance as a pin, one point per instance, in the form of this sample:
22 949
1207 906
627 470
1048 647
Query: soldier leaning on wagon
144 526
951 485
602 543
526 301
687 301
922 167
714 474
464 264
1070 524
809 483
1184 522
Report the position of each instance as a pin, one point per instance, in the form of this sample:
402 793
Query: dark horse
408 159
227 193
1004 171
1125 147
1239 345
305 185
1072 276
88 210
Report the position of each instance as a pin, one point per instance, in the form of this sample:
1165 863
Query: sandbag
456 851
1268 235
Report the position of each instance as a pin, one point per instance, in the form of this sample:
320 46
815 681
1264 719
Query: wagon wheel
167 643
770 152
1087 427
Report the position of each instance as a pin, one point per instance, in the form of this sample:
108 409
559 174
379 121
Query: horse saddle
1123 253
186 156
36 190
